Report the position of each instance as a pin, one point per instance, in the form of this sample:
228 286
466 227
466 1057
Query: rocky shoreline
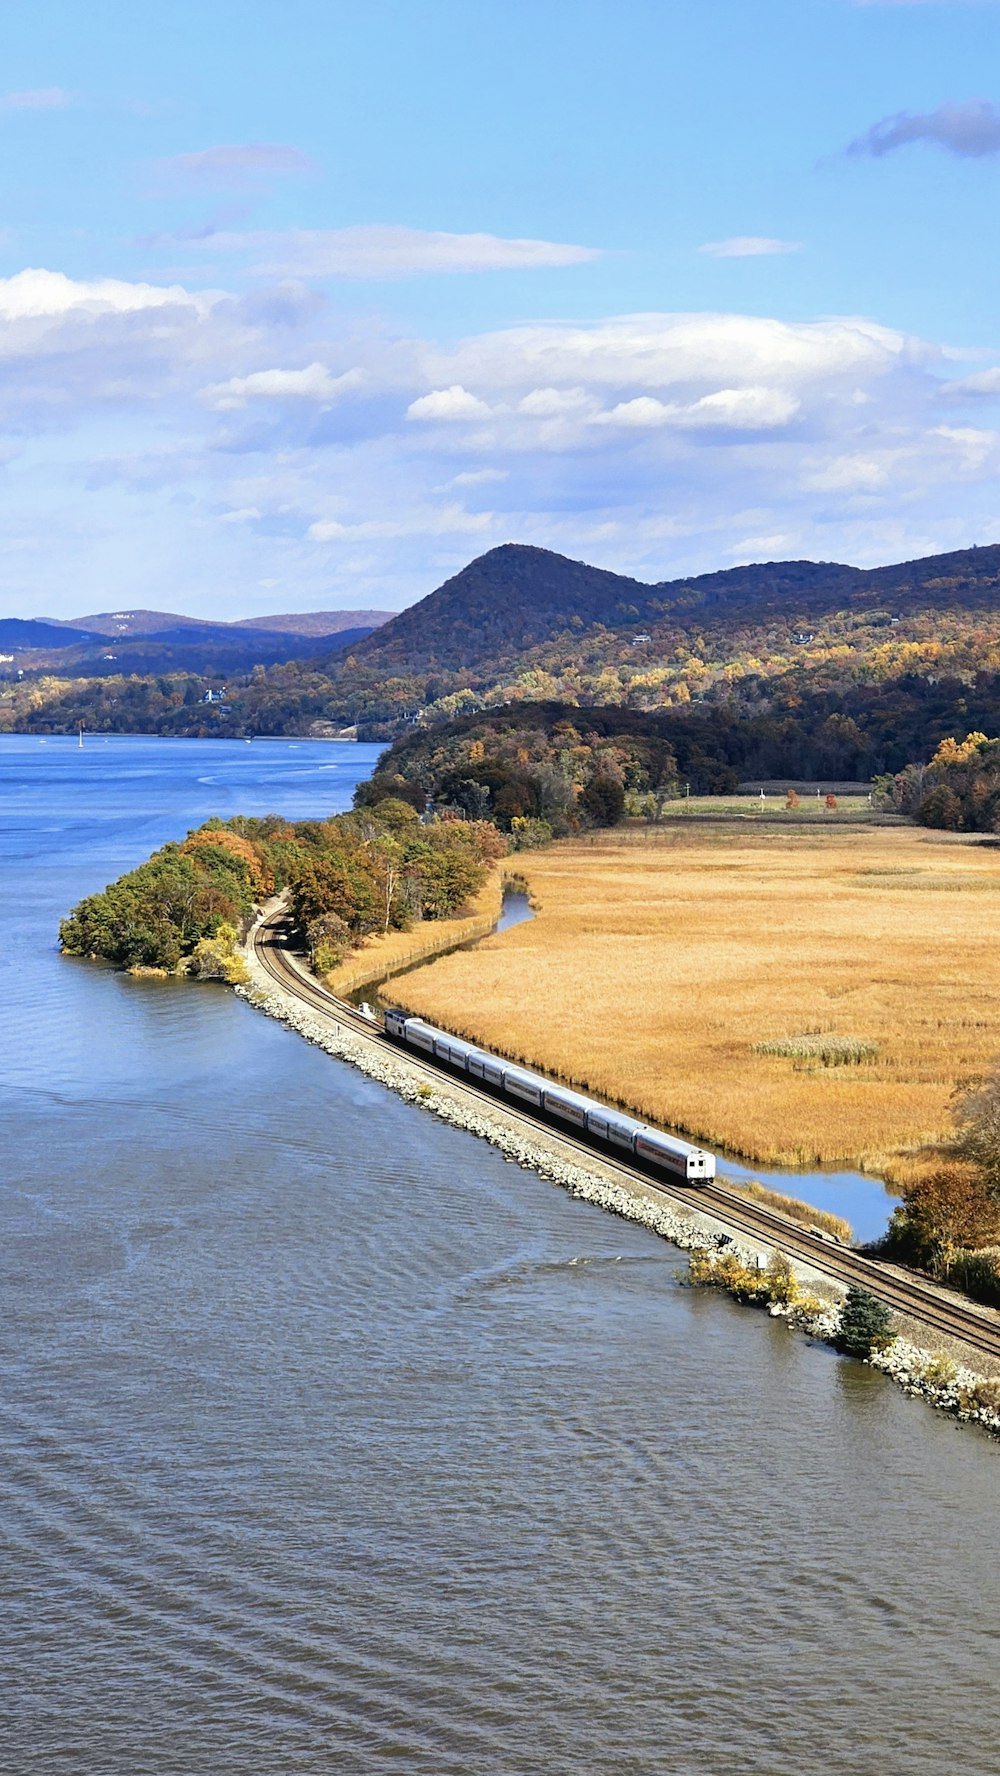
949 1386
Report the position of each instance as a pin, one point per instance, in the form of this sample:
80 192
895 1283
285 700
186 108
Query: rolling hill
150 641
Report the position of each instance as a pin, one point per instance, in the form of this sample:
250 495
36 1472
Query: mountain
523 624
317 622
161 623
149 641
515 599
505 601
17 633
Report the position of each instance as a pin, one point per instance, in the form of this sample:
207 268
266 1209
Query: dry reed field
796 995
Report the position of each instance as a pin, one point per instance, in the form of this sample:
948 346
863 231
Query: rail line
975 1326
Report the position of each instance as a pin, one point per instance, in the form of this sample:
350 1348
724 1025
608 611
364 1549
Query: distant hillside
149 641
161 623
514 600
317 622
36 632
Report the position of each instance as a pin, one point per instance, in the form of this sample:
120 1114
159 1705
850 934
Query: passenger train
611 1128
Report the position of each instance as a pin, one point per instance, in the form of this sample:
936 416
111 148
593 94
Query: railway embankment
948 1380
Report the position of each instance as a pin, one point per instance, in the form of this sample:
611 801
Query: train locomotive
609 1128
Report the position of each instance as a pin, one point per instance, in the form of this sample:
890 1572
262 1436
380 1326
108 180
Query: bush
782 1283
865 1324
978 1274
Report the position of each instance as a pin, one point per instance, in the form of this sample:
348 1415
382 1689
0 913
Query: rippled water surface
331 1442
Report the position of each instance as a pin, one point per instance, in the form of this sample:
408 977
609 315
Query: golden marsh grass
663 963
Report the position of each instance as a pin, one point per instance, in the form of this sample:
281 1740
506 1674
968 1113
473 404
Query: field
796 994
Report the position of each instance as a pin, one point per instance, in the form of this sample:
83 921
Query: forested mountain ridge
525 625
516 599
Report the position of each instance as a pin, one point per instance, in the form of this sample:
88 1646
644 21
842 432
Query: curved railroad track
978 1327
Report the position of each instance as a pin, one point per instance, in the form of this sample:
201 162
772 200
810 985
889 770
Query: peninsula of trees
347 878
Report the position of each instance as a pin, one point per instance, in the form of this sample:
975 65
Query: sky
303 306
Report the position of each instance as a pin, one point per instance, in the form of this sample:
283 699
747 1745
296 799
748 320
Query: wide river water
330 1442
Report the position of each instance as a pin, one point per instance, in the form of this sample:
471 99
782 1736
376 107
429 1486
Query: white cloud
449 520
984 382
749 246
454 403
382 251
314 383
643 412
555 403
639 354
852 473
590 433
746 409
40 98
36 294
973 446
478 477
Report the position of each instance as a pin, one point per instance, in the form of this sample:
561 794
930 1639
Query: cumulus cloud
749 246
36 294
970 129
656 443
689 354
984 383
40 98
314 383
383 251
739 409
448 404
237 163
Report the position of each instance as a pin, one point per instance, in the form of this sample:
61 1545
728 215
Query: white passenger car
612 1128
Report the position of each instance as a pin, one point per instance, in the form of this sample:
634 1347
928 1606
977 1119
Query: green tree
603 800
865 1324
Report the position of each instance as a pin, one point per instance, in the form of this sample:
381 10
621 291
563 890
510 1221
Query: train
607 1127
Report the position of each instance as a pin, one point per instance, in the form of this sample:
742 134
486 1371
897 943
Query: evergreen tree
864 1324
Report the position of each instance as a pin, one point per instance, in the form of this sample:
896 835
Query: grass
796 1209
675 969
829 1050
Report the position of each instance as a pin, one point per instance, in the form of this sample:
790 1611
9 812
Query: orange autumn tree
221 839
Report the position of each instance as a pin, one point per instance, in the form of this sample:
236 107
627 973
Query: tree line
374 870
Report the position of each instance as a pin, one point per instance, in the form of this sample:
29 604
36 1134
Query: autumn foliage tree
947 1209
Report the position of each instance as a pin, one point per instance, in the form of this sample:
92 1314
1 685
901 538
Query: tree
977 1121
941 808
603 800
949 1209
865 1324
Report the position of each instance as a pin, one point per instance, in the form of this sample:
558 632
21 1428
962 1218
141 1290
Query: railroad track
976 1327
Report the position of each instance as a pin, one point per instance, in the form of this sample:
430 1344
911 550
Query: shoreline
945 1383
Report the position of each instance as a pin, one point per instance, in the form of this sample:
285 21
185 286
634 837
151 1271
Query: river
329 1441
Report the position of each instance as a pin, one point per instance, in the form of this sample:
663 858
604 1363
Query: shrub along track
978 1328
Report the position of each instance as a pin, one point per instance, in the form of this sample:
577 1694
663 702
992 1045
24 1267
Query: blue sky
305 306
